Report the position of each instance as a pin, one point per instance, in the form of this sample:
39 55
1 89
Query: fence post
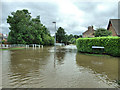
26 46
35 46
7 46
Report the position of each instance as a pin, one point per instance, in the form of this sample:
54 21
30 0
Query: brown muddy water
42 68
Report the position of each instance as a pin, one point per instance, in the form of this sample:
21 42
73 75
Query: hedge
111 45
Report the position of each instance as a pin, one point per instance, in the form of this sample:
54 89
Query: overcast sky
73 15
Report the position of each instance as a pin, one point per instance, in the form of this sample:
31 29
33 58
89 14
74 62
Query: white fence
19 45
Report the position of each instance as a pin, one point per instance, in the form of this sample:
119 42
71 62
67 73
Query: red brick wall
112 30
88 34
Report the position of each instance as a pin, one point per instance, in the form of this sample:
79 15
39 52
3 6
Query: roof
116 25
1 34
90 29
87 31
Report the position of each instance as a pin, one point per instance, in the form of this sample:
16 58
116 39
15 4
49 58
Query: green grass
16 48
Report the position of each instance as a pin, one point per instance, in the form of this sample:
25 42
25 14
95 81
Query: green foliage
3 41
100 32
27 30
70 37
47 40
60 35
111 45
73 40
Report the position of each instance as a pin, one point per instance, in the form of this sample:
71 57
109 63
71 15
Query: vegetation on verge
16 48
111 45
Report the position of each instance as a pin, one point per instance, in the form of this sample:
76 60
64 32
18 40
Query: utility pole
55 45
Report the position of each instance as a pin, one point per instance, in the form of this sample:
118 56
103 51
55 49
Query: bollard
28 46
42 46
39 46
6 46
3 45
33 45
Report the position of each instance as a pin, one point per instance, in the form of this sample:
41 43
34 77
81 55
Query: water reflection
37 68
59 55
24 65
103 65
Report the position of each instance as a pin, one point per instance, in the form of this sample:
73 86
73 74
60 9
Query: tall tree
27 30
60 35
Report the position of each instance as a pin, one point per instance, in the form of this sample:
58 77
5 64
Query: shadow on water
103 65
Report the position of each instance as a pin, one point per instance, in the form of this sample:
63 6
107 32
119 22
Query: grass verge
16 48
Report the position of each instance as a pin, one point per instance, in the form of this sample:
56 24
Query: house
5 36
1 37
114 27
89 32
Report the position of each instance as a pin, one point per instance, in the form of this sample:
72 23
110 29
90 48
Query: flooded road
42 68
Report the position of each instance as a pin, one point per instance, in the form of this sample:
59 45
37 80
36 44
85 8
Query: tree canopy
100 32
27 30
60 35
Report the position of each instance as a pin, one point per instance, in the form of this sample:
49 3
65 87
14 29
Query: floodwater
65 68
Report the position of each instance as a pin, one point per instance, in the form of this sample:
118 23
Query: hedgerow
111 45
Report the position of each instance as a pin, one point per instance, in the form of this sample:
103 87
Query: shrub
101 32
111 45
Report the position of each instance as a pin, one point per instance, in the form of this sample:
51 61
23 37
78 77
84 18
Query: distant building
1 37
89 32
5 36
114 27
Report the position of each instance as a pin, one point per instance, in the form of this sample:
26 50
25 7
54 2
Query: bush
111 45
48 40
101 32
3 41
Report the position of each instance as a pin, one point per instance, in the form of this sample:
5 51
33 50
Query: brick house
1 37
89 32
114 27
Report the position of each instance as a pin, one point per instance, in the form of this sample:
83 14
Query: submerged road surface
43 68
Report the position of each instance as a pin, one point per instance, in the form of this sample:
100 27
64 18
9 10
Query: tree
80 36
61 35
27 30
100 32
73 41
70 37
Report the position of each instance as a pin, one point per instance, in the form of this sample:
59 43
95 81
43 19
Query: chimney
90 28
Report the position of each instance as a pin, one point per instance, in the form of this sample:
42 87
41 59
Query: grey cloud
49 12
96 17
